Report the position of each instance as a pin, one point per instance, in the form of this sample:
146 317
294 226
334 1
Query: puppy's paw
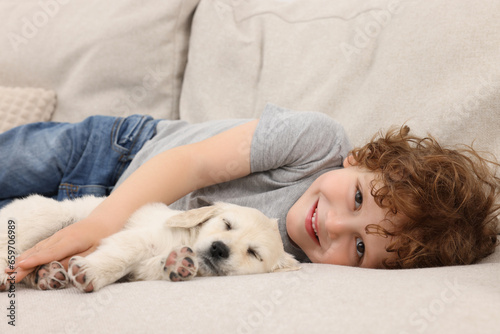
51 276
80 275
5 282
180 265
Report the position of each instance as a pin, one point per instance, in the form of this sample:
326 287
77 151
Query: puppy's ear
193 217
286 263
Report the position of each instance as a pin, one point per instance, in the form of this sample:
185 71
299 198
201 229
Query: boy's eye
358 199
360 247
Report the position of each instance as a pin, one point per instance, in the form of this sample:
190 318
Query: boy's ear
349 161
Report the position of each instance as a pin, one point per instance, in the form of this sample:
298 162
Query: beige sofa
434 64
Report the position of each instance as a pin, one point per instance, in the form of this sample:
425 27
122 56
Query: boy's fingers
40 246
18 273
34 255
22 273
52 251
43 256
28 253
61 246
56 252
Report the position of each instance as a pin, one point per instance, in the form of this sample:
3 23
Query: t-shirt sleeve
300 142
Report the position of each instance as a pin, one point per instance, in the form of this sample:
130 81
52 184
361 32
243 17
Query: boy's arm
165 178
179 171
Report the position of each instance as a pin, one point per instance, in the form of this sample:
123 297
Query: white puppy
157 243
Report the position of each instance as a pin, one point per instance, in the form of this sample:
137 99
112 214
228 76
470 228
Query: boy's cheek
291 229
297 235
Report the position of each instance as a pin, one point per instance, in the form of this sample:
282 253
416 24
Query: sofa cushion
25 105
115 57
316 299
369 64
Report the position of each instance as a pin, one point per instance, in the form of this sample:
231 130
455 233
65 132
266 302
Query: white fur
140 251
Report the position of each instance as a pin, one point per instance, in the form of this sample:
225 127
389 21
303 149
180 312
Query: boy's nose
338 225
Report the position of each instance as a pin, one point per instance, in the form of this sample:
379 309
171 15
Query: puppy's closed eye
254 253
229 226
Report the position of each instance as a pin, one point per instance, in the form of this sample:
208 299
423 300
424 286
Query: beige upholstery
434 64
25 105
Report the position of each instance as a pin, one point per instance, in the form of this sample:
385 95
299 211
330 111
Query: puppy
157 243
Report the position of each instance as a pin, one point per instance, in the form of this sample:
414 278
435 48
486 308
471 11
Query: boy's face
328 221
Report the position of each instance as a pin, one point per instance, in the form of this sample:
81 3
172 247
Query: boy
399 202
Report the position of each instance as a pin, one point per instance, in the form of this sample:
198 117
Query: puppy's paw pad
51 276
78 273
180 265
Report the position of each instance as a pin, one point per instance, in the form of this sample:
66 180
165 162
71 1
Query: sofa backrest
368 63
432 64
114 57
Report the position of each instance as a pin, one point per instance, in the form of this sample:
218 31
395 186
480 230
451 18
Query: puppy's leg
180 264
113 259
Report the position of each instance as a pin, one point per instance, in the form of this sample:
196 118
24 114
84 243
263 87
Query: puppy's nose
219 250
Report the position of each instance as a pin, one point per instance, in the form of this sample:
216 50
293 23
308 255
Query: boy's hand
80 238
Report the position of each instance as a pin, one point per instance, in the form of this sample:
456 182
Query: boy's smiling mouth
311 223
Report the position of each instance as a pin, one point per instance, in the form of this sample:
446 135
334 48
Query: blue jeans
64 160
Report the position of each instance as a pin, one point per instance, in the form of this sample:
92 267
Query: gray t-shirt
289 150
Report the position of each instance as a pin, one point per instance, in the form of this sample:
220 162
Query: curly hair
448 199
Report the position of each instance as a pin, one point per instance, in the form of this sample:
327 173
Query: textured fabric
115 57
368 64
289 151
316 299
25 105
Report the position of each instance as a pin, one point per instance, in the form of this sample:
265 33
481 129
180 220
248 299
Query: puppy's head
235 240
